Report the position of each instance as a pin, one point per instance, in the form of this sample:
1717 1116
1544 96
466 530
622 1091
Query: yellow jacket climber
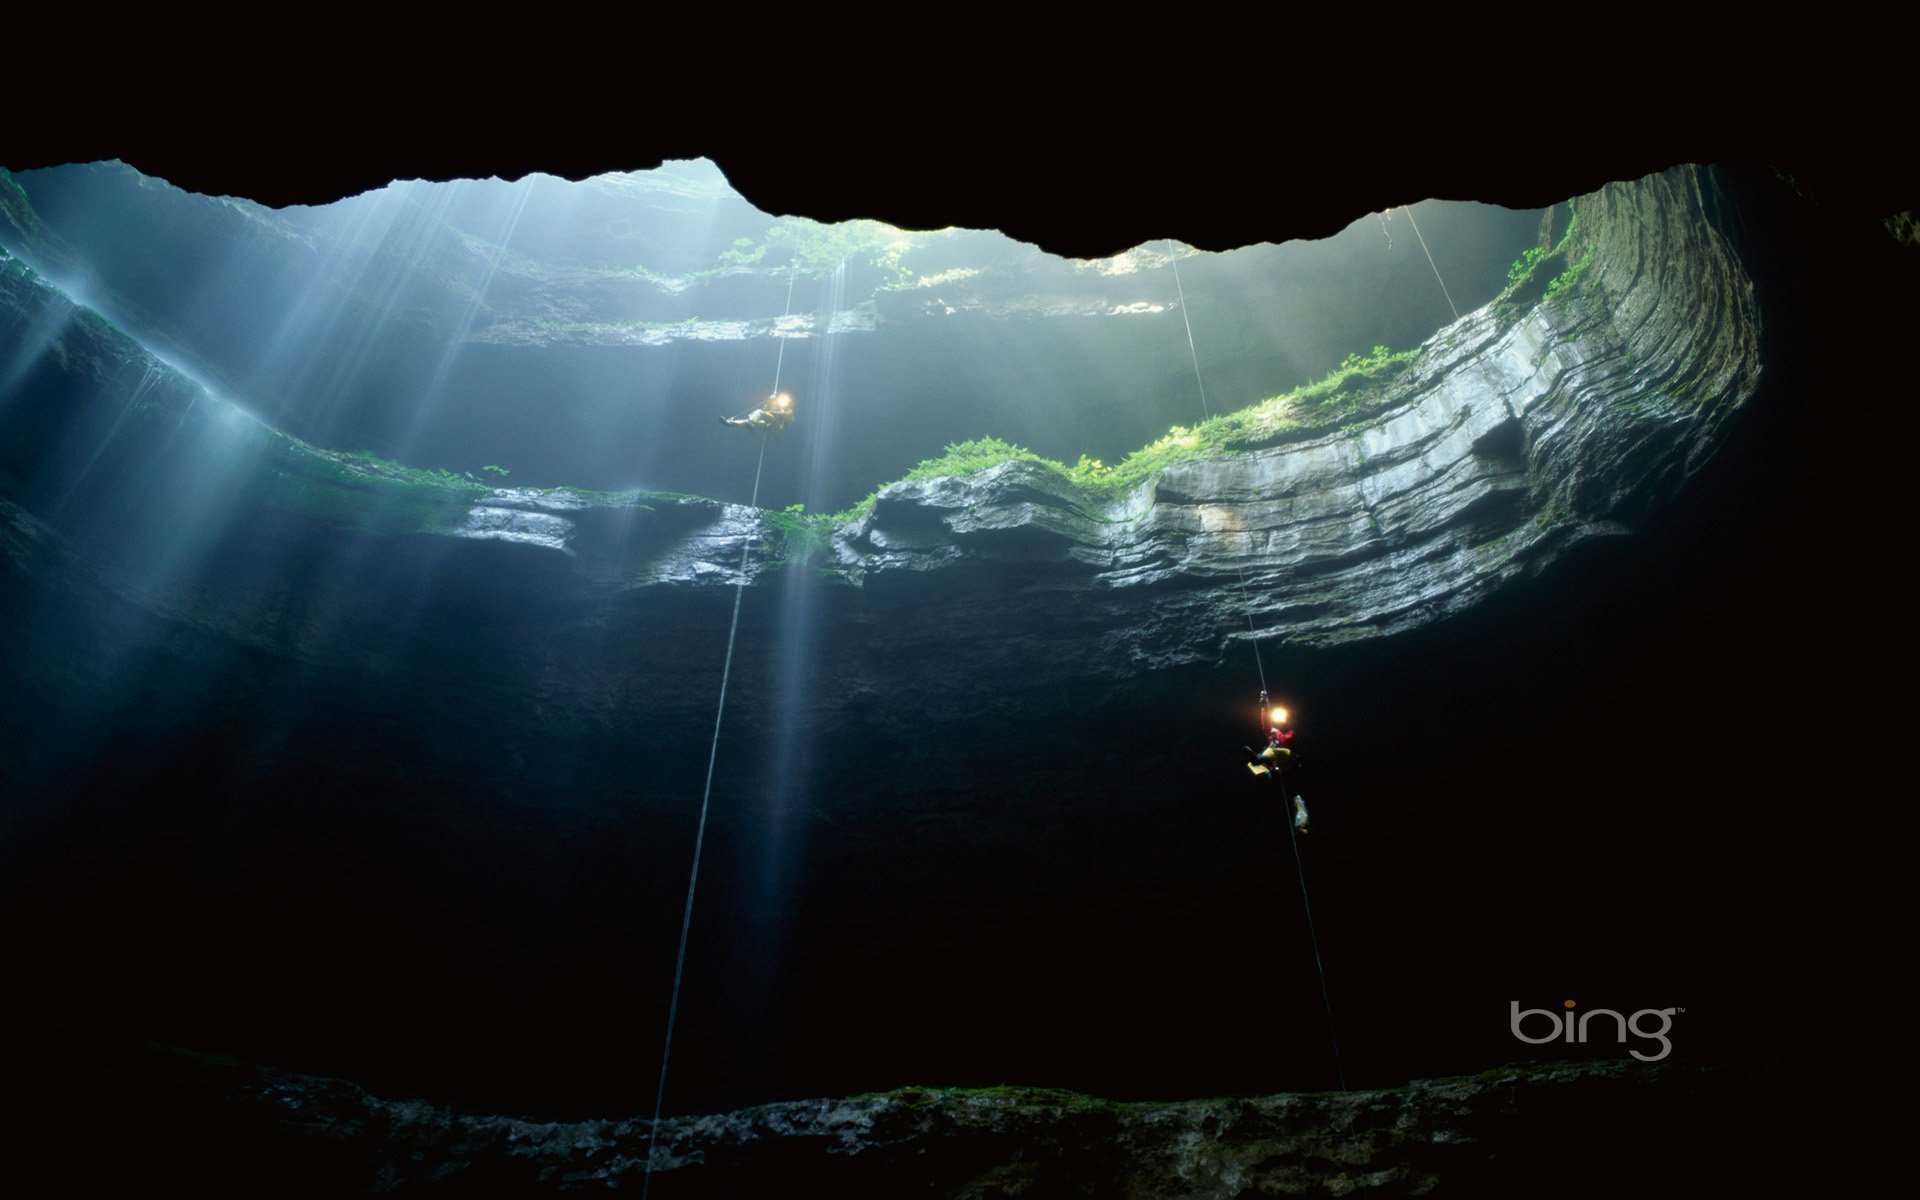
771 417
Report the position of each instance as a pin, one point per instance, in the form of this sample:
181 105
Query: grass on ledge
1350 391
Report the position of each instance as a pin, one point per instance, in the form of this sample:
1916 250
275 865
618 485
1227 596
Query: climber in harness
1277 758
771 417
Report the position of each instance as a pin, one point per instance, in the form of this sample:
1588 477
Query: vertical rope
1252 632
1246 600
706 795
1293 839
781 358
1430 262
1199 383
700 837
1189 324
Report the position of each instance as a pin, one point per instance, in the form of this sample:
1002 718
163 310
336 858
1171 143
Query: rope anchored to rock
706 796
1253 633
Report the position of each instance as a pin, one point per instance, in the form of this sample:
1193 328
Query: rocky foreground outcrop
1570 1128
1024 1142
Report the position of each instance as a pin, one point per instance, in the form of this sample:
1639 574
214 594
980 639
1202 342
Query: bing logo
1566 1028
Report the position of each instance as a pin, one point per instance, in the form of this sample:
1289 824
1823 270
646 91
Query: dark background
1665 775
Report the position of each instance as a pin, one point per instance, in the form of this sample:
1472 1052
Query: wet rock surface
1514 437
1572 1128
1508 442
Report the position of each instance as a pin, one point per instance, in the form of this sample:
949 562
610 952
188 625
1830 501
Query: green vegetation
1357 388
1565 279
800 538
1350 398
373 467
1522 268
361 490
814 249
977 454
1522 275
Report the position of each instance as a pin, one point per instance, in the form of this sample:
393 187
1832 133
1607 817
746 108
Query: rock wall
1569 1128
1521 430
1511 439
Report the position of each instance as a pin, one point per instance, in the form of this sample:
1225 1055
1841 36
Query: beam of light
496 236
345 319
151 473
32 347
78 477
646 391
789 785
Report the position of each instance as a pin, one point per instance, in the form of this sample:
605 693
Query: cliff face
1511 439
1519 432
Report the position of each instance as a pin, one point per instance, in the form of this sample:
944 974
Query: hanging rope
1197 382
1253 633
706 795
1430 262
1293 839
782 356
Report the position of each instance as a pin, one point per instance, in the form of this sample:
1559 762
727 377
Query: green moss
1565 279
798 537
360 490
1052 1101
1357 388
812 249
1522 268
1523 276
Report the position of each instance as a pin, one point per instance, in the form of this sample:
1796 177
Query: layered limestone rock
1516 435
1521 430
1510 440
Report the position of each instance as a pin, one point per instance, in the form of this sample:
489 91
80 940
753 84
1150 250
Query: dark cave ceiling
1086 139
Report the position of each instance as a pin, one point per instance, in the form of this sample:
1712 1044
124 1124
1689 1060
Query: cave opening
414 810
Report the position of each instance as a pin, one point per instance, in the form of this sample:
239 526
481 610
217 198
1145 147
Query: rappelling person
1277 758
774 415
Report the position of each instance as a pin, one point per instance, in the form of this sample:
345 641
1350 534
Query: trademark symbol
1679 1010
